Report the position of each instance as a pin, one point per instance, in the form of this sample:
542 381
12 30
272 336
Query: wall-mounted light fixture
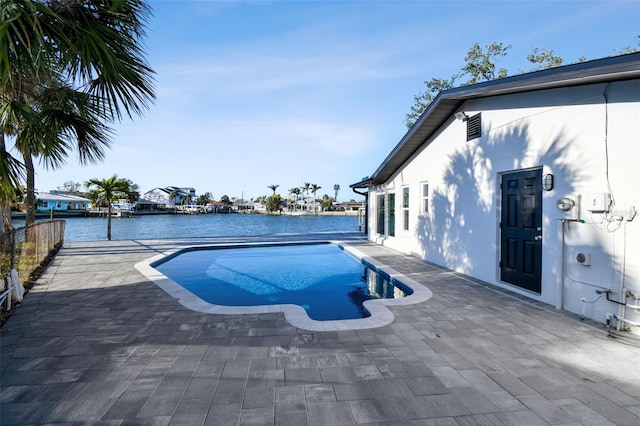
565 204
460 115
547 182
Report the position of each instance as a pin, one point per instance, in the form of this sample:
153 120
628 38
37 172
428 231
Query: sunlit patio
96 342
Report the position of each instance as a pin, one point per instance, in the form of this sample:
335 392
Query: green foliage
67 69
424 99
107 190
205 198
480 65
70 187
629 49
273 203
545 58
225 200
326 201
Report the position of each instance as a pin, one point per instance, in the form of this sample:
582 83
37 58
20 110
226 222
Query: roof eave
616 68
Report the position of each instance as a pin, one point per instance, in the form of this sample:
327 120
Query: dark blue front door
521 229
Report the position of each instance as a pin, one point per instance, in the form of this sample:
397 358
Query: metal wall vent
474 127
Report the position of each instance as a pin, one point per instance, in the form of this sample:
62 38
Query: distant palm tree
305 188
336 188
295 192
273 188
314 189
107 190
173 196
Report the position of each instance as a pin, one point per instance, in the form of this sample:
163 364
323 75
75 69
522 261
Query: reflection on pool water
326 281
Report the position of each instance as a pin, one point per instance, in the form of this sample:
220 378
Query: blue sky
258 93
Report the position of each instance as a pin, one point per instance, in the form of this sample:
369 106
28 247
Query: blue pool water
327 282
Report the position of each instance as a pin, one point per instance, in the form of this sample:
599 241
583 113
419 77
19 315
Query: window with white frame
405 208
380 229
425 198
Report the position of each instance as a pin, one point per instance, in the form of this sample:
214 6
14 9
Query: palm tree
46 121
273 188
91 48
173 196
336 188
107 190
11 173
295 191
314 189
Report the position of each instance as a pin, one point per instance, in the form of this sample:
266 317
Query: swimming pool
321 278
318 286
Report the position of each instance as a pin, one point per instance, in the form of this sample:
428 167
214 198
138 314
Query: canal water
204 225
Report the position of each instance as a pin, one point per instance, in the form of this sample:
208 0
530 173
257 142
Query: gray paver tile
298 418
614 413
372 410
160 404
329 414
115 349
519 418
475 401
319 393
290 399
389 388
353 391
258 398
612 394
426 386
546 409
257 416
512 384
301 376
224 414
417 407
478 420
191 412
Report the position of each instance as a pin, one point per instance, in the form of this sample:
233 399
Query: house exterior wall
157 195
590 147
61 205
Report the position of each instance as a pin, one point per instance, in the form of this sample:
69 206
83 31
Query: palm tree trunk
31 192
5 207
109 220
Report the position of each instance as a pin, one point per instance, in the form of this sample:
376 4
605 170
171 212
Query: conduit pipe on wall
560 278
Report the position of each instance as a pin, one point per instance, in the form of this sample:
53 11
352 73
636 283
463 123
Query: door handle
537 237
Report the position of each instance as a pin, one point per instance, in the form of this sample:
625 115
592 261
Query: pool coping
294 314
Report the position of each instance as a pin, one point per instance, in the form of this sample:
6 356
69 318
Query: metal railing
28 250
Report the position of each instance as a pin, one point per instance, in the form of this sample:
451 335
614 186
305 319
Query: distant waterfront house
147 205
349 206
529 183
48 201
171 196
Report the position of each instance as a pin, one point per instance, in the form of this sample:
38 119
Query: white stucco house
170 196
529 183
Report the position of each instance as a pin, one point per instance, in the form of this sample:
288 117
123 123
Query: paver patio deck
95 342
